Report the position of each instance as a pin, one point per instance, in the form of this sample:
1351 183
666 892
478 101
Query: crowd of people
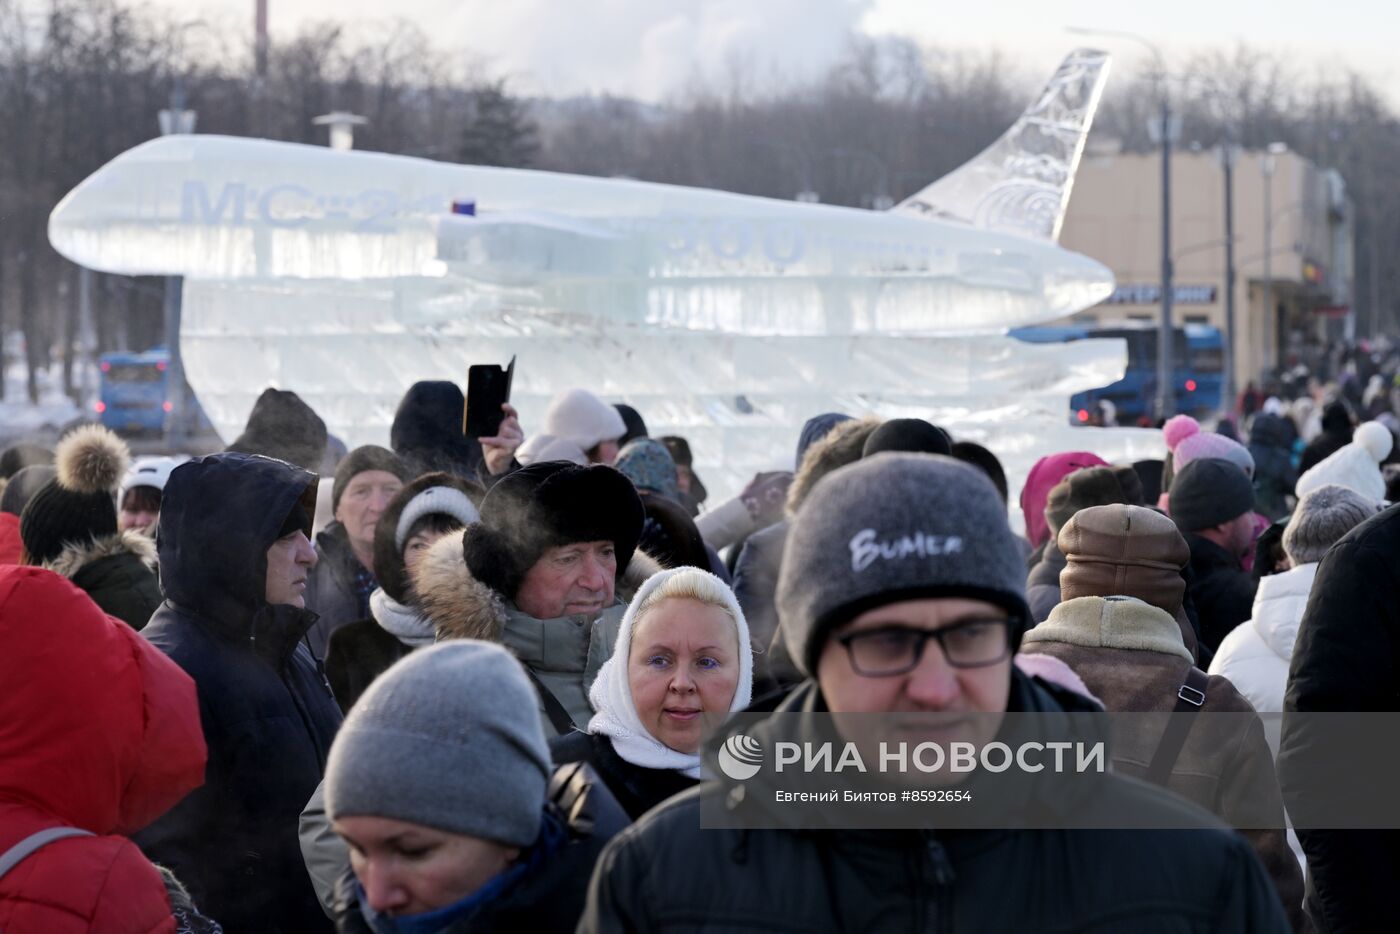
460 684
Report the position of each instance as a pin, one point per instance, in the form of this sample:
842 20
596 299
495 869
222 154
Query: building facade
1293 247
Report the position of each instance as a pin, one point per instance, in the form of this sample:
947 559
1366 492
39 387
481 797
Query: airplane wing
1021 183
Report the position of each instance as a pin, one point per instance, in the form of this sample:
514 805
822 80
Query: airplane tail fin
1021 183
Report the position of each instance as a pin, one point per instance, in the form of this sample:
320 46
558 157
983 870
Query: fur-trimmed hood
462 607
117 571
74 558
841 446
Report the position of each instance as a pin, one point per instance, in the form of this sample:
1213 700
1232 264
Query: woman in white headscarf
682 652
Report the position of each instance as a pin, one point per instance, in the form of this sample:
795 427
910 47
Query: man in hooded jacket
234 552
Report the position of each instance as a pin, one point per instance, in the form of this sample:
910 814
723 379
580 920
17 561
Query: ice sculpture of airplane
346 276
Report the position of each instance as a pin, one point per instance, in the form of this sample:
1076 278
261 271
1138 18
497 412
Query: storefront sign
1151 294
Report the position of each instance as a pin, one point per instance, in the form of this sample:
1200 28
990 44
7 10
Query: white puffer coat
1256 653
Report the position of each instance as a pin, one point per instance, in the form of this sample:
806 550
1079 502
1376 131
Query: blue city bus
1202 388
1197 353
133 396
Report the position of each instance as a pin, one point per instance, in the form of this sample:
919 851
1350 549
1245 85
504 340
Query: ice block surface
740 399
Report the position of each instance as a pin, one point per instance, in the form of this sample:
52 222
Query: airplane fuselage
637 252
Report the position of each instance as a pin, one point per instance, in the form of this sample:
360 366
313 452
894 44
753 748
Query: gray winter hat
1208 492
895 527
449 738
1323 516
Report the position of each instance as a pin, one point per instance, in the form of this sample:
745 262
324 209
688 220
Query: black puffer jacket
267 712
1271 446
1222 592
637 788
1346 659
667 874
358 654
117 571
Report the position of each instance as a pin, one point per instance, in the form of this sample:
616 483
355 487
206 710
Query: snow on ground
22 420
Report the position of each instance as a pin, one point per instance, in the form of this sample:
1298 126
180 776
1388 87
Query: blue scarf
552 837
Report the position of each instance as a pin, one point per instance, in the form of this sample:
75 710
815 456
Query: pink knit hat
1047 472
1187 443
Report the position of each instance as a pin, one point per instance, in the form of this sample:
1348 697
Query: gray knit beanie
1208 492
1323 516
895 527
363 459
449 738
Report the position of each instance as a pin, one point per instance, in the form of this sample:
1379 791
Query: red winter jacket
99 731
10 543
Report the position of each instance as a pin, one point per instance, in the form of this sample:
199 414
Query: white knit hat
1355 466
149 471
540 448
581 417
442 500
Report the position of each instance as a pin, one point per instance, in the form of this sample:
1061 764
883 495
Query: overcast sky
650 48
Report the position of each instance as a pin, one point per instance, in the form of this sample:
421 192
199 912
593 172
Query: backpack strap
583 802
17 853
563 723
568 791
1190 697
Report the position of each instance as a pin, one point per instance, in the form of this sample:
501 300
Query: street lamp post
1228 156
1166 381
1163 133
1267 165
342 128
174 121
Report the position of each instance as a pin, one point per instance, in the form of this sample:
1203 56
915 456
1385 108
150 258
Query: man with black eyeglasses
902 591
